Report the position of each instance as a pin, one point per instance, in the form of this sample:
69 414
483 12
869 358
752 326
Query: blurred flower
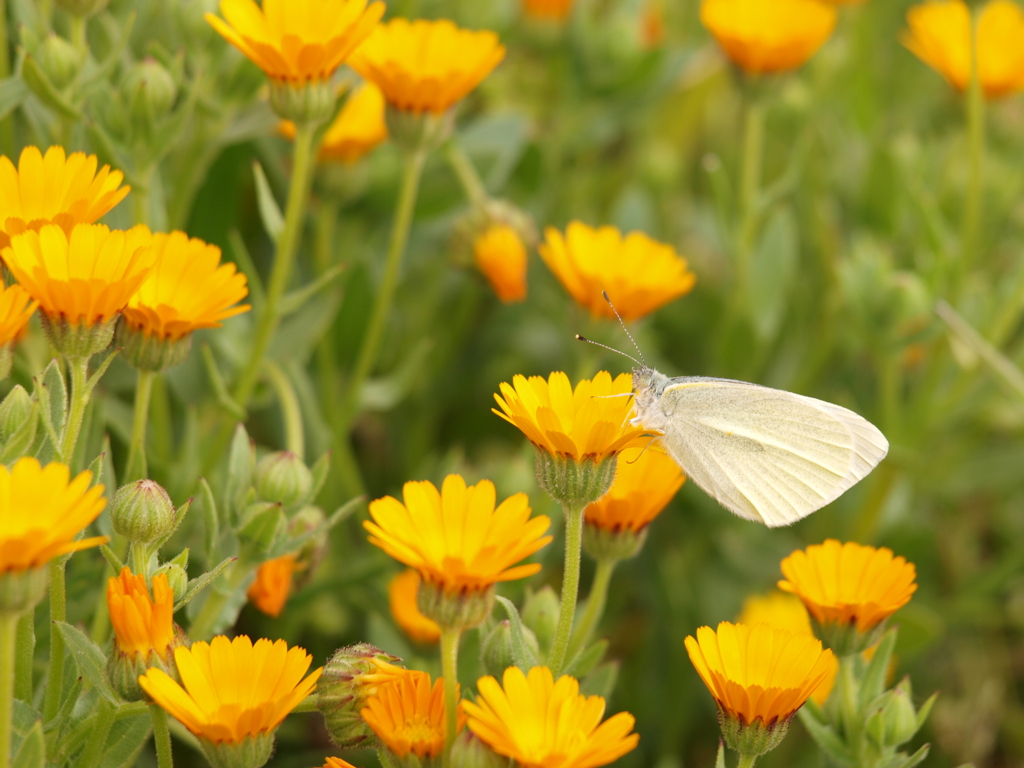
541 723
142 624
16 308
408 715
402 595
55 189
270 589
357 129
297 40
940 35
763 36
427 66
548 9
350 677
639 274
646 480
500 254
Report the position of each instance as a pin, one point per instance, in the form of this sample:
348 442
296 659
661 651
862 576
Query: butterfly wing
765 454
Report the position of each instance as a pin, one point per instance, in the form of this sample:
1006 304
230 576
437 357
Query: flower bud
60 60
460 610
14 412
125 668
151 353
574 483
469 751
496 654
150 91
754 738
83 9
603 544
350 677
143 513
177 579
896 721
282 477
540 614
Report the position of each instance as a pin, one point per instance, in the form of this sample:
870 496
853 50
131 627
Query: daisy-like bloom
408 715
55 189
555 10
763 36
500 254
427 66
357 129
760 676
639 274
940 35
235 693
543 723
402 596
849 589
273 583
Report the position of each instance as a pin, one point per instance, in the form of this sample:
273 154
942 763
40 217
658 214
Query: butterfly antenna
623 324
610 349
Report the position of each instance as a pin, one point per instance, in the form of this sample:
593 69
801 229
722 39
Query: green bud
143 512
751 739
343 689
896 721
75 341
310 103
574 484
14 411
282 477
602 544
83 9
496 653
150 92
21 591
540 614
455 610
60 60
419 131
251 752
468 751
151 353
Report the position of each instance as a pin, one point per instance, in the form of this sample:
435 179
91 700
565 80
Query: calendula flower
142 624
762 36
408 715
55 189
16 308
645 482
500 254
427 66
548 9
542 723
940 35
402 595
357 129
273 583
638 273
351 676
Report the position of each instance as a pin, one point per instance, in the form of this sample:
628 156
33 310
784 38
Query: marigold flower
408 715
548 9
646 480
357 129
500 254
55 189
541 723
764 36
16 308
142 624
273 583
427 66
297 40
402 592
456 538
639 274
940 35
233 689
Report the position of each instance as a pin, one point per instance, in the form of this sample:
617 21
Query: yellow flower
548 9
357 129
456 539
408 715
940 35
500 254
580 423
85 279
269 590
764 36
187 290
141 623
16 308
297 40
639 274
427 66
849 584
42 510
233 689
55 189
541 723
646 480
783 611
758 673
402 592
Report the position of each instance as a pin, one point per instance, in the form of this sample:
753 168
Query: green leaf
319 472
257 296
89 658
873 682
601 682
13 91
294 301
198 584
827 739
587 659
720 757
32 753
521 652
772 269
219 387
270 212
1000 364
211 521
112 558
126 740
291 544
241 468
47 92
915 758
925 710
98 373
24 436
51 393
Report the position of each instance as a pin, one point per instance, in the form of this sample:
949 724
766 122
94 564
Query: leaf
126 739
1000 364
13 91
257 296
294 301
220 389
319 472
601 682
873 682
826 739
270 212
241 467
89 658
112 558
915 758
587 659
98 373
925 710
47 92
51 393
211 520
283 547
524 657
198 584
720 757
24 436
772 269
32 753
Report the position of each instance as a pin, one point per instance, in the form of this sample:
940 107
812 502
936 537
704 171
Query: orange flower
646 480
402 594
142 624
357 129
548 9
269 591
500 254
337 762
408 715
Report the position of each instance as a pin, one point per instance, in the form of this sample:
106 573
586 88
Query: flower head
639 274
269 590
764 36
940 35
456 538
233 689
500 254
408 715
142 624
402 595
357 129
555 10
297 40
16 308
543 723
55 189
350 677
427 66
646 480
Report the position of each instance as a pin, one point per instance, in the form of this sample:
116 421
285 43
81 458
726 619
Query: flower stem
291 411
465 170
78 38
750 186
570 588
405 209
161 737
93 752
136 469
25 655
746 761
849 706
8 632
76 411
58 612
976 159
450 672
596 601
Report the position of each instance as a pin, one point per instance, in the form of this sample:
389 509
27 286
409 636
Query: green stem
203 626
76 412
25 655
136 468
140 555
78 33
570 588
850 706
161 737
406 207
291 411
450 672
93 752
466 171
746 761
58 612
976 159
750 189
8 633
596 601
